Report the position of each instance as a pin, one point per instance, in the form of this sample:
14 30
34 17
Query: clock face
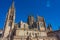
41 24
42 28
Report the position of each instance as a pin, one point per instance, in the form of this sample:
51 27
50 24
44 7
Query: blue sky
49 9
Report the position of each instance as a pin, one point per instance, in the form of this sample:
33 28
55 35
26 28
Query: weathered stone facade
32 30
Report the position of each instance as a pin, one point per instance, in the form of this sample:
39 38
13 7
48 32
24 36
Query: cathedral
30 30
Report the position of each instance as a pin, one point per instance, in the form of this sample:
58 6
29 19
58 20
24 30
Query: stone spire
12 4
9 24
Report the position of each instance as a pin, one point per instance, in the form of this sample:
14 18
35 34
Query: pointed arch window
10 17
10 24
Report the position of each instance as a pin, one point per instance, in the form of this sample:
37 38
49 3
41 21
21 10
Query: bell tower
41 23
9 24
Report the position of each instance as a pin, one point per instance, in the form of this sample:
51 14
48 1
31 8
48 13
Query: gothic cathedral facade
31 30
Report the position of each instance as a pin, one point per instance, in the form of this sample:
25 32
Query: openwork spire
12 4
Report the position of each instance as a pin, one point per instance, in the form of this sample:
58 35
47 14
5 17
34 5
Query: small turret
49 28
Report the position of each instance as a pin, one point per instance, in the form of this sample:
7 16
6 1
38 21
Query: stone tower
9 24
30 21
41 23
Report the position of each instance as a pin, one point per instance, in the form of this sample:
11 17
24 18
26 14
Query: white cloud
48 4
